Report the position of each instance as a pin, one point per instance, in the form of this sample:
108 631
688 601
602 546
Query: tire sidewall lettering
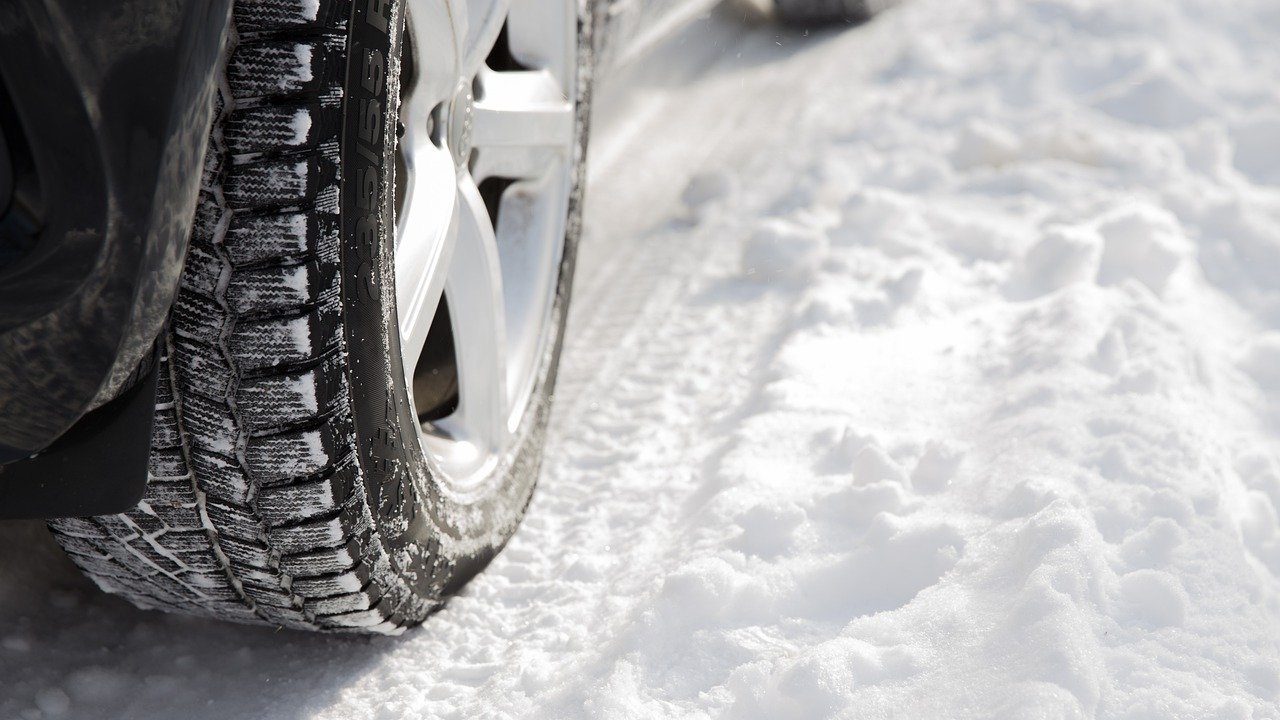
379 402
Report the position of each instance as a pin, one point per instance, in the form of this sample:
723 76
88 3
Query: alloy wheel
484 174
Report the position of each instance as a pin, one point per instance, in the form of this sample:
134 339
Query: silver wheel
485 173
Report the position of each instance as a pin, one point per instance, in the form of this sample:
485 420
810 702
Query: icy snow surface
929 369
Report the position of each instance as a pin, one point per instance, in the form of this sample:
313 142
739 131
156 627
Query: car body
104 116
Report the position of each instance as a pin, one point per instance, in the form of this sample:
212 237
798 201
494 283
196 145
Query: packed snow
924 369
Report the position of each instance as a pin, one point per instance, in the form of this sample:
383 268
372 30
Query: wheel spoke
464 122
529 269
521 109
486 18
544 40
474 288
426 235
436 31
520 120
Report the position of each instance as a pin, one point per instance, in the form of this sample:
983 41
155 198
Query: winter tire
356 377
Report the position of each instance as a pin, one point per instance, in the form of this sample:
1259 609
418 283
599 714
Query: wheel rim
488 103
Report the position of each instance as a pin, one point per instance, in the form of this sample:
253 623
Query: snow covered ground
929 369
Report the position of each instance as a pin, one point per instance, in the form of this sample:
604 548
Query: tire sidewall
434 539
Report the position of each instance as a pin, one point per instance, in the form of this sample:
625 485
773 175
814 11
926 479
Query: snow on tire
287 483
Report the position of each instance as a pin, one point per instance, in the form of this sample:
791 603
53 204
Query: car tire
293 481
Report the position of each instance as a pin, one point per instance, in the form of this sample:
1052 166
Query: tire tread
255 508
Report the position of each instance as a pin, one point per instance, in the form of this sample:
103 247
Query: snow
925 369
302 53
310 9
301 126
